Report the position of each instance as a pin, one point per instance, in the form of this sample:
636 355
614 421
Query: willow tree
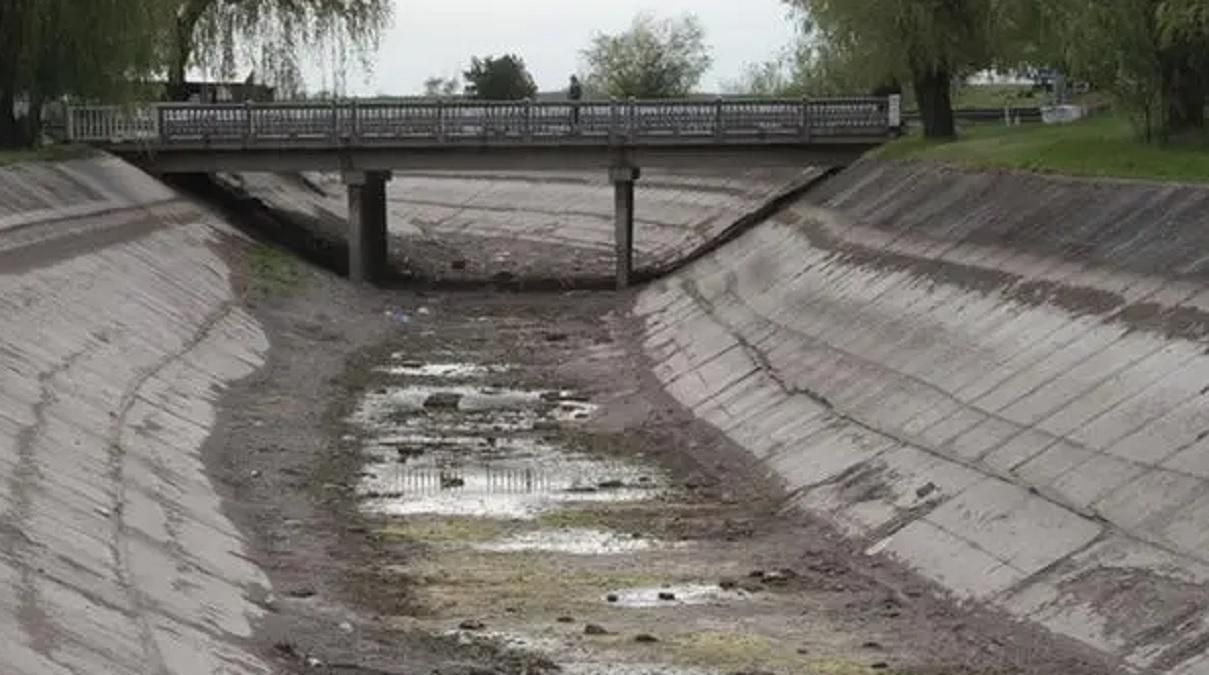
271 36
98 50
927 43
1184 55
1151 55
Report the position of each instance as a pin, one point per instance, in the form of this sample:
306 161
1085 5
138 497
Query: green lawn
1103 146
49 153
996 96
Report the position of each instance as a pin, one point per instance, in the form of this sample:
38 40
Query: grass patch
49 153
485 583
997 96
452 530
1101 147
734 650
273 271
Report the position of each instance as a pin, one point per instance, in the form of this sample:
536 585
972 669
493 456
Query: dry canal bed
490 483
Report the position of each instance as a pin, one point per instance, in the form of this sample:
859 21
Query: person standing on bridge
575 94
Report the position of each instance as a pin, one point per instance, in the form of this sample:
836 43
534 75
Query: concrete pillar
367 240
623 178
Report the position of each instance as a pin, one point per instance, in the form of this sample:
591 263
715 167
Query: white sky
438 37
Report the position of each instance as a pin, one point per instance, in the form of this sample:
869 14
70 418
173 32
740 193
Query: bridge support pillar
367 237
623 179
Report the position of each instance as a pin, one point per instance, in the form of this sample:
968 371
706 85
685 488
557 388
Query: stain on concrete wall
118 333
1000 380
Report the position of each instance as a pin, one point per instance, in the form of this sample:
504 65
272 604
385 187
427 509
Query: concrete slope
532 224
118 331
999 380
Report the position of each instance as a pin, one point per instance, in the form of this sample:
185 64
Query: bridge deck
445 124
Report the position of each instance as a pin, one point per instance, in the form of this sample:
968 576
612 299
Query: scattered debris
443 400
397 316
780 577
926 490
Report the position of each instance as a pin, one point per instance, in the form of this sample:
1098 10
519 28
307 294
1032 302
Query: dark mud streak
840 416
773 207
121 534
38 625
1131 226
1171 609
78 236
1182 321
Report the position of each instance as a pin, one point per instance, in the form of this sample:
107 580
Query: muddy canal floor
483 482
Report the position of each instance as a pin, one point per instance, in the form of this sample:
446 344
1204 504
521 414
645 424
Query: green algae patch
448 530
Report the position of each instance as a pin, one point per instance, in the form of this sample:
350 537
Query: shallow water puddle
631 669
573 541
470 450
538 547
509 480
671 596
470 398
447 448
450 371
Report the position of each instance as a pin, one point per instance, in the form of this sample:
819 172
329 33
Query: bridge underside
366 171
212 159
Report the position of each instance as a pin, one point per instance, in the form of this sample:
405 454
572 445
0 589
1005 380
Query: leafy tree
809 69
1152 55
776 78
927 43
652 59
51 48
439 86
1184 43
217 35
499 79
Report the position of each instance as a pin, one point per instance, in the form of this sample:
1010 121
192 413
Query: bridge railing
460 122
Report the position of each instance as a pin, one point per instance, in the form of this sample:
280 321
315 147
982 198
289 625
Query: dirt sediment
704 573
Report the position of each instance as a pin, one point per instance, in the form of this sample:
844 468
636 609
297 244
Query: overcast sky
438 37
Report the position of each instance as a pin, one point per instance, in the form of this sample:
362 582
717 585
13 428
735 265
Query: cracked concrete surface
114 555
998 380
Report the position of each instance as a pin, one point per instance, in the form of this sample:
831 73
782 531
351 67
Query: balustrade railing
453 122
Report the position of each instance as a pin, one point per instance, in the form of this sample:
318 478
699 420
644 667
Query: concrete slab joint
1043 452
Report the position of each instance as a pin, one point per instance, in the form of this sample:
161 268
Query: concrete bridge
365 142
